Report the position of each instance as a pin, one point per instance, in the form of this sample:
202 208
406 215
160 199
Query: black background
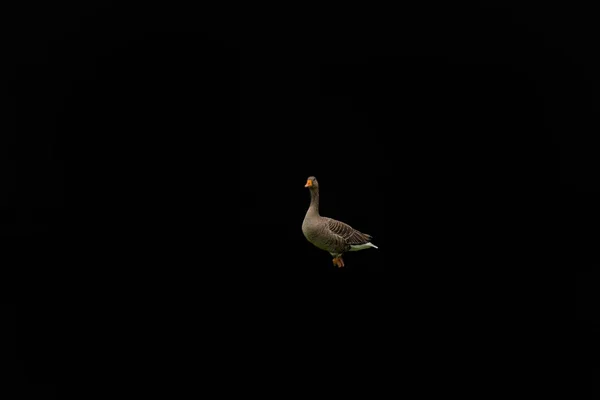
160 154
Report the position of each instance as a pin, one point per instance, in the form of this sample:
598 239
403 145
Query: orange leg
338 262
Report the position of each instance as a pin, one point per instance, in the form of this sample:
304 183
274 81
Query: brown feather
349 234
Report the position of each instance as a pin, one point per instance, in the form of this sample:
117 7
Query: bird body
328 234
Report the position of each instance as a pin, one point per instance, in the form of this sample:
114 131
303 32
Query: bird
328 234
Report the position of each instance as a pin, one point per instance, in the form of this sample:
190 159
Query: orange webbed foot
338 262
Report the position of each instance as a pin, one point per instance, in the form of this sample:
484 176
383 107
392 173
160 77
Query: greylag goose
329 234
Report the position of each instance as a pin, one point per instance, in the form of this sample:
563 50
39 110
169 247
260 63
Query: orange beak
308 183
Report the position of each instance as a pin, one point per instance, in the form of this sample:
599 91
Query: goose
328 234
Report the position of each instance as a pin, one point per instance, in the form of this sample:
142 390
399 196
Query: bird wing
349 234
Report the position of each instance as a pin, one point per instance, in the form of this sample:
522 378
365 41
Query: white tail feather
357 247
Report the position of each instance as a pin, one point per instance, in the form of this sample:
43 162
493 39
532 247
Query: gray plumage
328 234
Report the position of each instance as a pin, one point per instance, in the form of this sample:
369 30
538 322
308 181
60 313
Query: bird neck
313 209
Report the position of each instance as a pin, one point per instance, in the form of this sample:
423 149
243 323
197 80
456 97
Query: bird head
311 182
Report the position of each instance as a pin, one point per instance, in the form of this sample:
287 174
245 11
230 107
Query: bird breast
311 230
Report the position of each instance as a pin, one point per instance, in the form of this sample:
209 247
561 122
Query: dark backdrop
160 154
